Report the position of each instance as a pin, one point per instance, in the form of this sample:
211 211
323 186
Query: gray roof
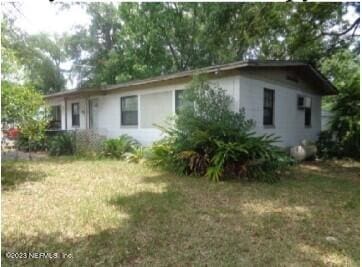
325 86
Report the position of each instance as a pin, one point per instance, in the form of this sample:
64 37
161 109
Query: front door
93 113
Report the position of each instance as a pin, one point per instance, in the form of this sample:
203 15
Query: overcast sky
45 16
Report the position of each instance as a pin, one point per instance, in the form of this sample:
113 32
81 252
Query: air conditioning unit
304 102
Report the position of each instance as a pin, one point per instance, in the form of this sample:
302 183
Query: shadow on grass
16 173
194 222
334 170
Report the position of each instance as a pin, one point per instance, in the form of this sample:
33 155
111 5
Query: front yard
115 213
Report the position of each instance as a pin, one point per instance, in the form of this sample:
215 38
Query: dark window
178 99
75 114
129 110
300 102
55 121
268 118
307 117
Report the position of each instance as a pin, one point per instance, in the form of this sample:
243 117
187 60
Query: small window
178 99
55 121
268 118
307 117
129 111
75 114
300 102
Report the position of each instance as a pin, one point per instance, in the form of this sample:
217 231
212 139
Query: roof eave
329 88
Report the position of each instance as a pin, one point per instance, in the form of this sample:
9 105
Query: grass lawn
115 213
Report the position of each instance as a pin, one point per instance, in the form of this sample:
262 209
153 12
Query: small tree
24 106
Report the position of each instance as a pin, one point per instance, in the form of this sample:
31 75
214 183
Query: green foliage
127 41
208 138
117 148
32 59
138 40
326 145
61 144
19 103
24 106
136 155
22 143
342 140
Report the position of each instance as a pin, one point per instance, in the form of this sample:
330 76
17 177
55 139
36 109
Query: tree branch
353 27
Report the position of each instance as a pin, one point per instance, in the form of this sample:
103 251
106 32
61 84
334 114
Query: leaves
138 40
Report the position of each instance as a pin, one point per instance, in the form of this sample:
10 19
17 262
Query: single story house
282 97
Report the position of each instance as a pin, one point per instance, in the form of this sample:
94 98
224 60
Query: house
326 117
282 97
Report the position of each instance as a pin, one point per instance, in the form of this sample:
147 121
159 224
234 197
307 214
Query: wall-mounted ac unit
304 102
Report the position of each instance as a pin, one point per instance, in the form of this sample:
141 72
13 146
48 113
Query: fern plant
136 155
61 144
117 148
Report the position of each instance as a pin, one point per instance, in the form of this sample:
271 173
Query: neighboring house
326 119
282 97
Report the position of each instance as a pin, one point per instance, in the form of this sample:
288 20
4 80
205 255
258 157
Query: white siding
288 119
109 109
246 89
155 108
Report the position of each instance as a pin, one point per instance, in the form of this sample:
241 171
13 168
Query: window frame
73 115
272 124
121 113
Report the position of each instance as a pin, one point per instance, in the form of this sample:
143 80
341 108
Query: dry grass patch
114 213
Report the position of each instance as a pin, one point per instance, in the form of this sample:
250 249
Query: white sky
45 16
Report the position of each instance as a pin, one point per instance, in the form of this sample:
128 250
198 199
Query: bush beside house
207 138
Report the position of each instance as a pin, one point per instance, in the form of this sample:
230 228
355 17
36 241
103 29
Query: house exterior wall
110 115
289 120
246 87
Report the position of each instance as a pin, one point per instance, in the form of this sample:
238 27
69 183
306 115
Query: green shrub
61 144
343 138
326 145
22 143
117 148
208 138
330 145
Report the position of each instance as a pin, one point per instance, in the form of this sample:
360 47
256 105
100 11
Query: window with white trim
75 114
129 110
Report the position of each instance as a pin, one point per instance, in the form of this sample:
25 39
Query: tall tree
31 59
130 40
